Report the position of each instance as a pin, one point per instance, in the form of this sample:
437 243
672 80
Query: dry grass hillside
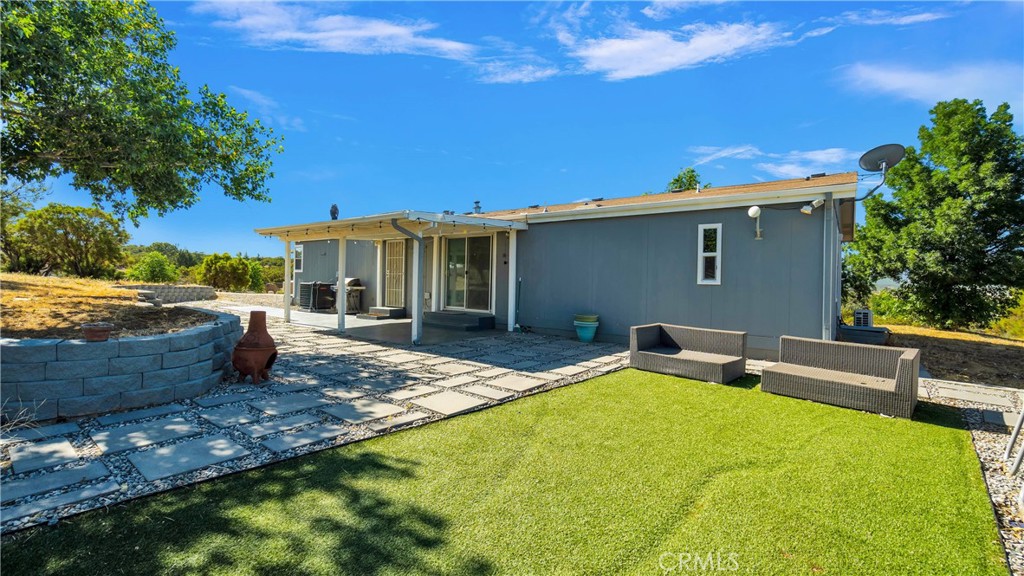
46 307
965 356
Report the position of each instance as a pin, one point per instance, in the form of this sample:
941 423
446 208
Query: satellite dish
880 159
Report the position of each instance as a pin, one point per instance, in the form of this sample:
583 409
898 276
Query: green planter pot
586 318
585 330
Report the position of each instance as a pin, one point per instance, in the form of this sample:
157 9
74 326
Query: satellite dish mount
880 159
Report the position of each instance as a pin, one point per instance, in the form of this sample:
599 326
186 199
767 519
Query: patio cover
411 224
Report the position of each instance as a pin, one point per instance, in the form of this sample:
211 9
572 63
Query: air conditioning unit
863 317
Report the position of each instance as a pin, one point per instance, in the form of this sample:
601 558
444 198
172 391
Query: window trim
701 254
299 249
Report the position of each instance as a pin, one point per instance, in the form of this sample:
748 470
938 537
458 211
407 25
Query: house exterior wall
320 264
643 269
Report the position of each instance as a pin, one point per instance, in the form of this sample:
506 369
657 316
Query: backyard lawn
626 473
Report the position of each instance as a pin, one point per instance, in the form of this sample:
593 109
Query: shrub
224 272
1012 326
892 307
153 267
257 280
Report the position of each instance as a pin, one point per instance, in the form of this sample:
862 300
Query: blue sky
430 106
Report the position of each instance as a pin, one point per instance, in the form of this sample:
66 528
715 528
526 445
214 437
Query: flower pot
586 318
97 331
585 330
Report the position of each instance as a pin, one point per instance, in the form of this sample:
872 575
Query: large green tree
88 91
224 272
953 231
687 179
71 239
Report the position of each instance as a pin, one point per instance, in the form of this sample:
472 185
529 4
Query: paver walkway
325 390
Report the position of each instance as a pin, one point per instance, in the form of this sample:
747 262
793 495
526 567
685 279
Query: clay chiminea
255 352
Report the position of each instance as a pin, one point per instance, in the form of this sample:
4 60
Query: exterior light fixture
755 213
808 208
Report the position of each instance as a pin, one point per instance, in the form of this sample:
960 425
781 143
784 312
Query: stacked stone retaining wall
172 294
46 379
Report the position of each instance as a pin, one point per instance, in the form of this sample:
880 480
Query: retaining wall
171 294
45 379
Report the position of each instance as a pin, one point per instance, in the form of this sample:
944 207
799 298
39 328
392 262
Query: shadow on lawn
312 515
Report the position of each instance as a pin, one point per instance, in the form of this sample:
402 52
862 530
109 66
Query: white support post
417 290
341 301
512 280
435 298
380 272
287 281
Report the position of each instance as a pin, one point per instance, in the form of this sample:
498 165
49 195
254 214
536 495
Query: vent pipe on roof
476 206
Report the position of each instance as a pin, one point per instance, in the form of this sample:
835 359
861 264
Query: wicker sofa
698 353
873 378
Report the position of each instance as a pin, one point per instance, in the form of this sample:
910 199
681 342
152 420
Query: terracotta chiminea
255 352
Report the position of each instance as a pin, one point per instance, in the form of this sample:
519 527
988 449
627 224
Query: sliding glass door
468 274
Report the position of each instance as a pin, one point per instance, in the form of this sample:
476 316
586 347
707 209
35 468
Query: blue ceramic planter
586 330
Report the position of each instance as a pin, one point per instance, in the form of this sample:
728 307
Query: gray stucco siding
642 269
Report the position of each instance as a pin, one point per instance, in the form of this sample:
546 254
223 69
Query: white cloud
499 72
993 82
275 25
663 9
888 18
641 52
792 164
269 110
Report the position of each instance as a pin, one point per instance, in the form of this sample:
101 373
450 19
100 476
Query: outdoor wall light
808 208
755 213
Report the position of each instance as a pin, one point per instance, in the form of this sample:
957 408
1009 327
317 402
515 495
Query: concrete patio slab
226 416
997 417
517 382
385 383
402 358
411 392
396 421
568 370
450 403
493 372
186 457
29 457
53 502
285 404
342 393
994 399
363 410
140 414
209 401
453 369
488 392
457 381
277 426
39 432
16 489
142 434
304 437
367 348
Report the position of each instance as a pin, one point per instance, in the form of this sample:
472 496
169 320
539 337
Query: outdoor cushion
810 372
691 355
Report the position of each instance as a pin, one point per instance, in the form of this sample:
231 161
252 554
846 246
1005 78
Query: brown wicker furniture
698 353
872 378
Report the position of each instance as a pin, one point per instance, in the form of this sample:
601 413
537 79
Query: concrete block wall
171 294
46 379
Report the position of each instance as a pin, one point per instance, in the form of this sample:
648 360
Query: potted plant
586 326
97 331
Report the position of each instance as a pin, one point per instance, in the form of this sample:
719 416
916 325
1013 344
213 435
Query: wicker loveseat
872 378
708 355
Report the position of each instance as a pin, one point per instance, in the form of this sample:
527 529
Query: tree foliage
87 90
257 280
224 272
687 179
953 232
153 267
71 239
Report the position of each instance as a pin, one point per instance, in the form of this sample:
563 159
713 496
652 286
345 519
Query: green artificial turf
627 473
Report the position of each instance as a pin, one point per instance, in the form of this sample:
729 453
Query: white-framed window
709 254
297 258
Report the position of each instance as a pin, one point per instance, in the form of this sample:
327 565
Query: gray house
763 258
